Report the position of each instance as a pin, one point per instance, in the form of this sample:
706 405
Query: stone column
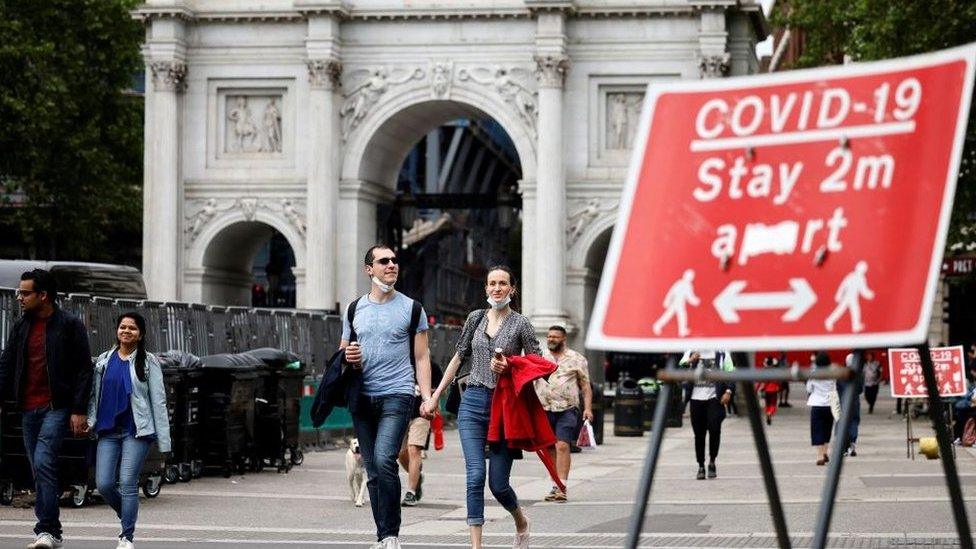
323 184
550 212
713 36
161 249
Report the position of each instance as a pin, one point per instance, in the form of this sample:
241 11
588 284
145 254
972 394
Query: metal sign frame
745 378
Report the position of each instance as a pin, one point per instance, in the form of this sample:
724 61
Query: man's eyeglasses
24 293
387 261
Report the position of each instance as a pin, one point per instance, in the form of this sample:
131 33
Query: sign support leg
945 448
650 462
765 460
829 493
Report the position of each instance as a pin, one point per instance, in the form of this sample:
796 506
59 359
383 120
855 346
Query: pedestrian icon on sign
681 294
848 298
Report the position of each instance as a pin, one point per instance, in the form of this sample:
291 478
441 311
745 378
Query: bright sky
765 47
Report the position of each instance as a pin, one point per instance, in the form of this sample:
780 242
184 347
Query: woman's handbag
460 382
835 404
969 432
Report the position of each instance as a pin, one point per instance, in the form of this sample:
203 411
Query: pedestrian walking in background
412 459
784 386
560 397
821 418
853 384
770 391
385 327
416 444
708 402
46 370
872 380
501 327
127 413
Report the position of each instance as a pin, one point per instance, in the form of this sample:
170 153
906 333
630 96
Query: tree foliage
867 30
70 136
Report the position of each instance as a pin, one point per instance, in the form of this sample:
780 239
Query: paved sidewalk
885 500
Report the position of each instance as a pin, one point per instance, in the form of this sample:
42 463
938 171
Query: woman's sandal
522 539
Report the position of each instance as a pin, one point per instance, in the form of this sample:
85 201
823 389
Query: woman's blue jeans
473 416
117 468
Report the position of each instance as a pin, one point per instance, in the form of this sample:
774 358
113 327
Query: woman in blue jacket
127 412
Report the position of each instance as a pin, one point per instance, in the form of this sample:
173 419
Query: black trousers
871 395
706 417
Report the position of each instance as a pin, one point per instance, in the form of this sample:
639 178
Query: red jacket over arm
517 417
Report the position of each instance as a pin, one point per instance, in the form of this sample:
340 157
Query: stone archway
377 146
588 254
221 256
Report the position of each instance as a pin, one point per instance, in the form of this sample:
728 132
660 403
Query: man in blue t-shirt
386 404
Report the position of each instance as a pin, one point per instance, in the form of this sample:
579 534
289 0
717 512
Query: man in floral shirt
560 398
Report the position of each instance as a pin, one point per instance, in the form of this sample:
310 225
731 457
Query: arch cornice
468 93
198 250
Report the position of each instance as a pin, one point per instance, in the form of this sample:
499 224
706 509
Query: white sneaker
45 541
125 544
391 543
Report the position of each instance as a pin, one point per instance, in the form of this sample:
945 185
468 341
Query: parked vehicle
101 279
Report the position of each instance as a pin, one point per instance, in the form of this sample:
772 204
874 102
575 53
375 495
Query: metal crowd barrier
211 329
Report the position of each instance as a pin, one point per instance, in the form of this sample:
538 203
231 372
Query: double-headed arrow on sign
796 301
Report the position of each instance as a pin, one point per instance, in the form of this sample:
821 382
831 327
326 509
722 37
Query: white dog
355 473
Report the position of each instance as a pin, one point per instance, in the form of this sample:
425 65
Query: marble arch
289 101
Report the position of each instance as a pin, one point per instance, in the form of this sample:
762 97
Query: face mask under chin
383 287
499 305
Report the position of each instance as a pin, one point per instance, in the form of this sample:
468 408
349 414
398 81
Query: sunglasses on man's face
387 260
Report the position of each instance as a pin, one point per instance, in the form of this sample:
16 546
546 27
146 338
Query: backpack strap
351 315
414 324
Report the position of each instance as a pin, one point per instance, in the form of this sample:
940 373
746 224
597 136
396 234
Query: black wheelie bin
277 420
182 374
228 387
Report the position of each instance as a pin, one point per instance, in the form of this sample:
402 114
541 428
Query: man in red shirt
46 371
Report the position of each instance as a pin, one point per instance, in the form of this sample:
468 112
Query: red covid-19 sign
906 376
797 210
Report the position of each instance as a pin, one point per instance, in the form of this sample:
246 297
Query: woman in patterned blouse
497 327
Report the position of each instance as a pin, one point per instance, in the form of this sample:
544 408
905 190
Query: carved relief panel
615 108
622 115
251 123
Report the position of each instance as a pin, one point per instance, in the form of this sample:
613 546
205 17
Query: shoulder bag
460 382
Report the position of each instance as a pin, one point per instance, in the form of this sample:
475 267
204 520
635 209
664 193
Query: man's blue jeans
381 423
44 431
473 417
117 468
